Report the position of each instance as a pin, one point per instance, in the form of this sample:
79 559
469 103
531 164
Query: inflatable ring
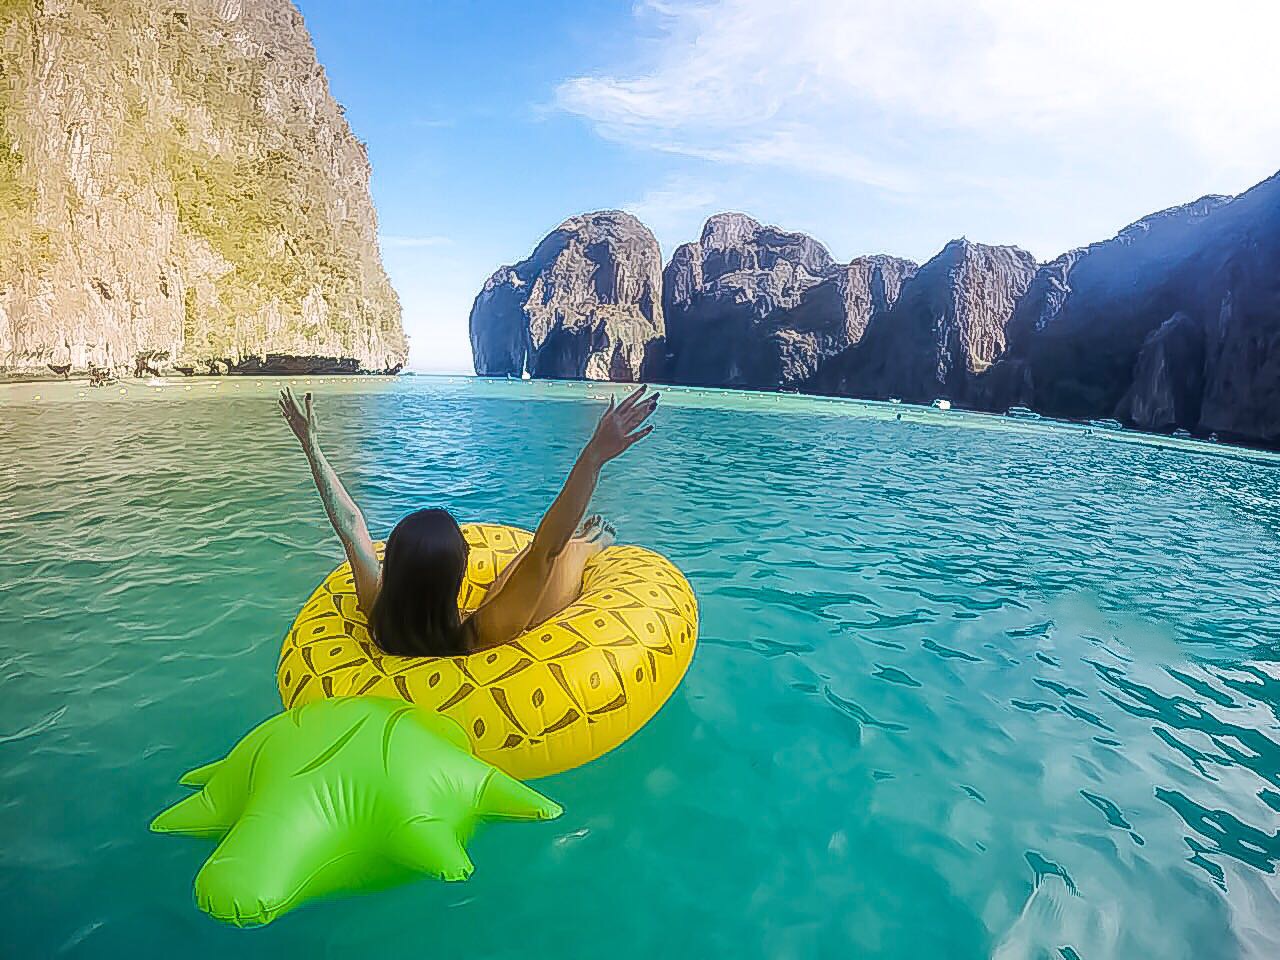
561 694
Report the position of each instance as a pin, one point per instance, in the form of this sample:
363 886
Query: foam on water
969 686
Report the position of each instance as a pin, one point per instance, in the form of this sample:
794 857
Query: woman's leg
564 584
506 572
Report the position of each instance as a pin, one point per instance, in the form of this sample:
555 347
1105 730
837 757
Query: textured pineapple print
563 693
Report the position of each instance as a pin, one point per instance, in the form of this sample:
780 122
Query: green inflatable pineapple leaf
343 795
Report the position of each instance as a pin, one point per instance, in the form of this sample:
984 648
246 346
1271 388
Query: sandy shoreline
78 388
8 378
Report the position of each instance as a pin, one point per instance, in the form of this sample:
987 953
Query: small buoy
81 393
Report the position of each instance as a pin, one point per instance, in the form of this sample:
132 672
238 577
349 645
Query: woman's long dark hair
416 613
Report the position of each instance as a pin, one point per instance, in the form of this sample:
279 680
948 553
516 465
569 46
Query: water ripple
1021 680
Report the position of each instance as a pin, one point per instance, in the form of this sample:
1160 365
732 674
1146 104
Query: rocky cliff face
754 306
176 181
1167 386
790 347
1175 322
586 304
1062 359
1235 279
946 327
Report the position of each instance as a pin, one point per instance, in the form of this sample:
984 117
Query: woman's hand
620 426
301 417
505 613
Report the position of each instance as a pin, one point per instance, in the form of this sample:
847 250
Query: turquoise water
966 687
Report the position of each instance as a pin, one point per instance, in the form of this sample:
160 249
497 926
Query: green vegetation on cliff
175 177
22 241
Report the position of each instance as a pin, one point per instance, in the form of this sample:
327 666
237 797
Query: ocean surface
966 686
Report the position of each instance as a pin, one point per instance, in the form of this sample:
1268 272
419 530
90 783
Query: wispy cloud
894 94
674 207
393 240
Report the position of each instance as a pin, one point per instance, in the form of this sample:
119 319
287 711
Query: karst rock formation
1172 324
178 186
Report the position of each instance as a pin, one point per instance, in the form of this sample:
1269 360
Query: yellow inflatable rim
561 694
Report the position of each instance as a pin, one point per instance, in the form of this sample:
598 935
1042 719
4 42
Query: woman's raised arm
348 522
505 614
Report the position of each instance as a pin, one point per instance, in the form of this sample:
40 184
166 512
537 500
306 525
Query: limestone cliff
586 304
1074 338
1175 322
177 182
734 305
1167 386
945 328
787 348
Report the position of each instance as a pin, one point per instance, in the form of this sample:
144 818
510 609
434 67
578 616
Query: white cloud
676 206
901 94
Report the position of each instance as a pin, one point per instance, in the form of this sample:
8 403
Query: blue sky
875 125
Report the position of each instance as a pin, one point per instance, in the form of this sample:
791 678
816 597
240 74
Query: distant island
180 193
1173 324
211 214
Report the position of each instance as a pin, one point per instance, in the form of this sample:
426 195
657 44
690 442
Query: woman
411 598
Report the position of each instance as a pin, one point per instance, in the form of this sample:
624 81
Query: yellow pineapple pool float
561 694
414 779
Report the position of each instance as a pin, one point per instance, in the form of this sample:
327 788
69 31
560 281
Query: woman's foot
593 535
607 535
588 527
595 528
